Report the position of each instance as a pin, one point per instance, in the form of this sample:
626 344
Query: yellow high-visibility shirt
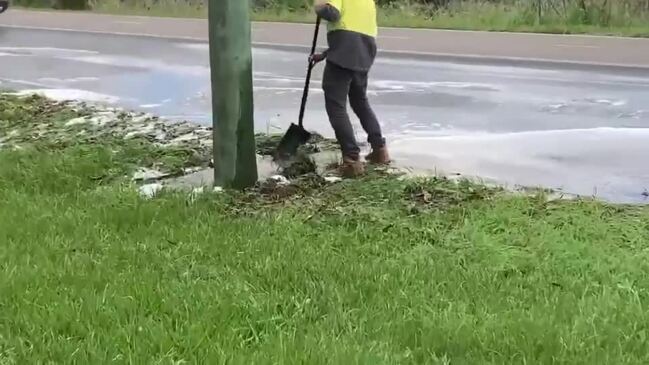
352 33
356 16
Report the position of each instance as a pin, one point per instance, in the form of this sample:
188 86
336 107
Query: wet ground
581 131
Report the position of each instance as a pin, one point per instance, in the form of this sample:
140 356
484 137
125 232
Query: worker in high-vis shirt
351 35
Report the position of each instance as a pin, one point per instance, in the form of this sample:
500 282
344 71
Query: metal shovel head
295 137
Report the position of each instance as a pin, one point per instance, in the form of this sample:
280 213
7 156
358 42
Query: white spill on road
71 94
150 106
45 51
201 47
141 63
424 86
72 80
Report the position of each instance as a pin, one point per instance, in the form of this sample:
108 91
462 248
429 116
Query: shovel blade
295 137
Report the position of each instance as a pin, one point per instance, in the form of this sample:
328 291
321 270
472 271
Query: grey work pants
338 84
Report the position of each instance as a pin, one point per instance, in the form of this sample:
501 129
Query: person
351 37
4 5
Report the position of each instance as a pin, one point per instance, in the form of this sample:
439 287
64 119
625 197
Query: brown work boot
351 168
378 156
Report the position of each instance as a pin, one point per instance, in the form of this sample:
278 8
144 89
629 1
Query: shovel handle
305 94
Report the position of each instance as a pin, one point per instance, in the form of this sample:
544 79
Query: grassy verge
628 18
373 271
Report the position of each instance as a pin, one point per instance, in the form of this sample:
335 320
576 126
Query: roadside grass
380 270
36 126
520 17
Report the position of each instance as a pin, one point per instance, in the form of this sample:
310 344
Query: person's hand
317 58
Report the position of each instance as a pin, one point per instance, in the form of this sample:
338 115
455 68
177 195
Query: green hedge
585 12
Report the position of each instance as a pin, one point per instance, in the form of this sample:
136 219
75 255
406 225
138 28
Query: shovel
296 135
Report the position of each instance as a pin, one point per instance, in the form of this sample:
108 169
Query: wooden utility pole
235 161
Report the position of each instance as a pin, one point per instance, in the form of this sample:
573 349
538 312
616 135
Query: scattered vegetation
34 124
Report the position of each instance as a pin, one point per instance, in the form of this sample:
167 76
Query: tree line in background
586 12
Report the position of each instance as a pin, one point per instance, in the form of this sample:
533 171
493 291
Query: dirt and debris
267 144
279 190
303 164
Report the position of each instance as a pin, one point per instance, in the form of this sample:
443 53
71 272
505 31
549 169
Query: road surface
583 131
439 44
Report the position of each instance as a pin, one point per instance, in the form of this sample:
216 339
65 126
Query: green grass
371 271
482 19
617 19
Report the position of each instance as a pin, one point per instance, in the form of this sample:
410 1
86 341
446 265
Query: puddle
601 162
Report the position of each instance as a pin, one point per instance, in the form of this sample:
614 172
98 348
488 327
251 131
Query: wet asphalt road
439 44
578 130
